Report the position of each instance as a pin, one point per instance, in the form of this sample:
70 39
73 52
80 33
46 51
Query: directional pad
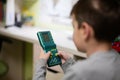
54 58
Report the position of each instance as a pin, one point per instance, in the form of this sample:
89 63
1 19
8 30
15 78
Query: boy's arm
40 70
69 62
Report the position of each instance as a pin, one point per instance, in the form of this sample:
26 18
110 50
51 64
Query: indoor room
27 26
20 20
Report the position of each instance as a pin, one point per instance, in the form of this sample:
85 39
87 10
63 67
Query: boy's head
95 19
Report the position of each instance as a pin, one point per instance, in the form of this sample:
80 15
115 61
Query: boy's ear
87 30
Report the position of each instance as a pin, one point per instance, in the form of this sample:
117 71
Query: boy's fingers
60 51
41 50
59 54
48 54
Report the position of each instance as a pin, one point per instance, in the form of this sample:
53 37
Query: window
56 13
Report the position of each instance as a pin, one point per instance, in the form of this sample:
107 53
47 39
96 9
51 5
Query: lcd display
46 37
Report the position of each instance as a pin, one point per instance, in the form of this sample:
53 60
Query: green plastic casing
47 43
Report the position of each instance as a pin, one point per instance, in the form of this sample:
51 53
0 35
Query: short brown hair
102 15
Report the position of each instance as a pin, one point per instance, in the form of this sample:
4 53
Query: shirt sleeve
40 70
71 75
67 65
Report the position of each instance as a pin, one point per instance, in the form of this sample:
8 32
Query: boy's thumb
48 54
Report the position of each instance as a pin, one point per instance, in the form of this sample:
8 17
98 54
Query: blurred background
20 20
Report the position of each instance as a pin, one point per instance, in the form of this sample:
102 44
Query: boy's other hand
64 56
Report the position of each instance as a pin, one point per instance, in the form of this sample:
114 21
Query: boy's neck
95 47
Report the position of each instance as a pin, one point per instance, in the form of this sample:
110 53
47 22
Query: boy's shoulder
81 69
81 66
102 64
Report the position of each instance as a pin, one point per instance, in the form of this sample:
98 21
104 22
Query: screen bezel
48 43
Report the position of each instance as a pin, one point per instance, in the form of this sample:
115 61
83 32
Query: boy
96 24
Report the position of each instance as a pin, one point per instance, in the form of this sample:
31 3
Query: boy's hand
64 56
44 55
